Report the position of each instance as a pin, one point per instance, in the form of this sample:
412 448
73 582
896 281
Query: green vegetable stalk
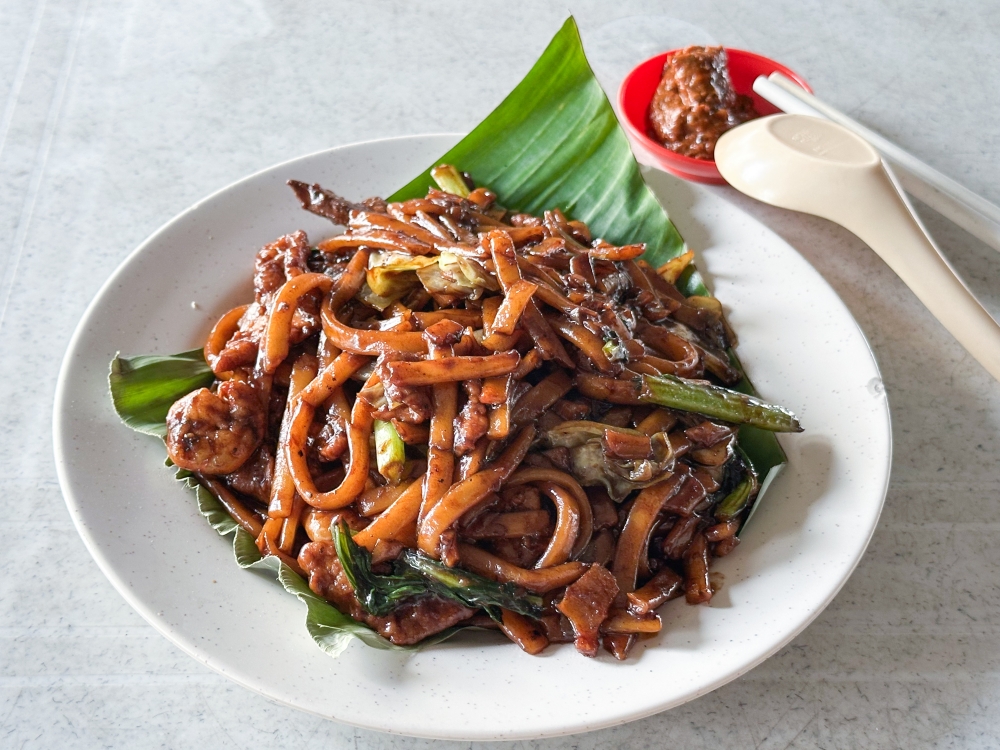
734 503
715 401
415 574
450 180
390 452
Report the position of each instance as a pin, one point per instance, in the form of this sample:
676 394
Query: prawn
215 433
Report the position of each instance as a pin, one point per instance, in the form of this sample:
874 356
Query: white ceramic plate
798 342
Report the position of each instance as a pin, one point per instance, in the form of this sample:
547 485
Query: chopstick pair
955 202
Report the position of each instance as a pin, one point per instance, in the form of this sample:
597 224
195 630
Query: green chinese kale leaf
329 627
554 141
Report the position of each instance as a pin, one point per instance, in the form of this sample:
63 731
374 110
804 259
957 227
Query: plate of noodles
478 444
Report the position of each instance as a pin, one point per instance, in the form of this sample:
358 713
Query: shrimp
215 433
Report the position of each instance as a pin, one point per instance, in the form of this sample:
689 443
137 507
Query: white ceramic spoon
821 168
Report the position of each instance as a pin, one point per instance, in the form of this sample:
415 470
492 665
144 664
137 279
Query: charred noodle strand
521 236
626 389
376 238
429 372
465 318
474 461
513 306
376 498
604 251
555 299
658 366
626 623
527 634
499 422
268 531
359 433
437 238
468 493
634 538
428 222
325 351
412 434
505 262
394 520
350 281
282 485
567 526
662 587
441 441
235 508
566 481
338 413
290 526
331 378
221 333
584 340
493 340
496 390
487 221
372 343
644 368
533 266
362 221
529 362
541 396
270 548
697 585
683 356
274 345
537 581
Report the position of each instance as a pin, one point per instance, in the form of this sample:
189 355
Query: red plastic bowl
637 91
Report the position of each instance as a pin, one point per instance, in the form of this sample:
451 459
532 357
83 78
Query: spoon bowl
819 167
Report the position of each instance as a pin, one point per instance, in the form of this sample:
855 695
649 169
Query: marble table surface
118 114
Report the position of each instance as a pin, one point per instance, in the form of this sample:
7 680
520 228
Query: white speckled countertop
119 114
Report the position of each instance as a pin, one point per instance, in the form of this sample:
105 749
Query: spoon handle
893 231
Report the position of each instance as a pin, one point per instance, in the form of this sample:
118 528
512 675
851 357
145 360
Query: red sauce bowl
637 91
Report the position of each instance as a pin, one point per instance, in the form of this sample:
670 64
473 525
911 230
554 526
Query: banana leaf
554 141
144 388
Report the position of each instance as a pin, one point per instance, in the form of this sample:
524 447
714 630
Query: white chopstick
955 202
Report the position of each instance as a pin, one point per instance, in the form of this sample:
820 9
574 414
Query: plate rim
62 408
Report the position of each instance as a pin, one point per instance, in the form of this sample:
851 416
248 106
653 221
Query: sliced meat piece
473 421
706 434
278 262
326 203
241 349
586 604
254 477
